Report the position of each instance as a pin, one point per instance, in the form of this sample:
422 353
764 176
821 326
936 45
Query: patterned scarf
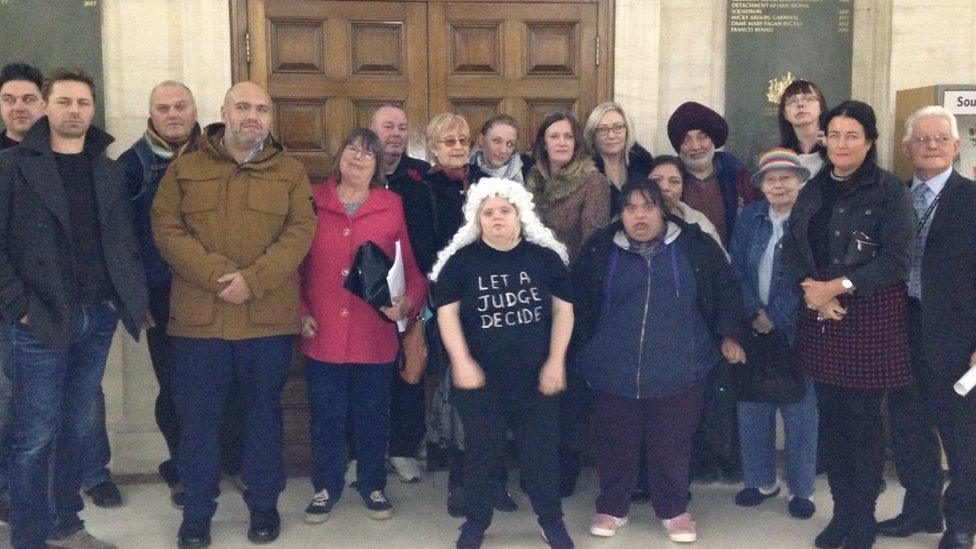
164 149
550 189
511 170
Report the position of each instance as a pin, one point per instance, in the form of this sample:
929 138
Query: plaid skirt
867 349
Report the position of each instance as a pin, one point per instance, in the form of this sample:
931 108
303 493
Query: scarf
164 149
649 249
511 169
460 175
550 189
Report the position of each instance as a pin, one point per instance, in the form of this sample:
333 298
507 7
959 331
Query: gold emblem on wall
777 86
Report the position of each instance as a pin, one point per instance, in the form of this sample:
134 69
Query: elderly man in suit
942 337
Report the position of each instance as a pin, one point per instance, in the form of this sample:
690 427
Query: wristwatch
847 284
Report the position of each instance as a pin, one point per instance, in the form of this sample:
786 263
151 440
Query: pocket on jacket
199 207
191 305
277 306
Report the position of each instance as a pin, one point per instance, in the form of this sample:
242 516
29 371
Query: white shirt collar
935 184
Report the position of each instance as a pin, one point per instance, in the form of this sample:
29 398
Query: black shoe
265 526
956 540
860 538
105 494
503 500
904 525
193 535
177 496
455 502
472 535
833 535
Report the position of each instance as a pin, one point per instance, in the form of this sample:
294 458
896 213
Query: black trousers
575 408
407 421
232 436
852 436
534 421
920 415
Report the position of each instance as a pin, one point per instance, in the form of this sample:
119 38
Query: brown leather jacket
211 217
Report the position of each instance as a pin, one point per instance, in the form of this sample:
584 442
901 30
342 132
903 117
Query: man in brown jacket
234 221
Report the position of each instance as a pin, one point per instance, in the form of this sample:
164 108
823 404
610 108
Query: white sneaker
407 468
606 526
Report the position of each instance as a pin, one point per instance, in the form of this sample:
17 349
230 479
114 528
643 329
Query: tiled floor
421 521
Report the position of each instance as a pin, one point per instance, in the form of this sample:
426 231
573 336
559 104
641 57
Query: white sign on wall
960 102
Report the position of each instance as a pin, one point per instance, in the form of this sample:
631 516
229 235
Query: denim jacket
752 232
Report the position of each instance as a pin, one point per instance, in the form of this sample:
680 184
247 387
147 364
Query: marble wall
666 52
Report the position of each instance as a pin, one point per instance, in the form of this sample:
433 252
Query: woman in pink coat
351 347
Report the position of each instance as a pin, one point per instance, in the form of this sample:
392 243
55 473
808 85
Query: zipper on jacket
640 350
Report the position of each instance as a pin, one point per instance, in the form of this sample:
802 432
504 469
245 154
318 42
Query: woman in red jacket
352 348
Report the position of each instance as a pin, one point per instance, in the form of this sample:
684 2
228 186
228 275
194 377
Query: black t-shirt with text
506 309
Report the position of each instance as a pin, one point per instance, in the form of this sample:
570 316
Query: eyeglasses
939 140
353 151
452 141
797 100
616 128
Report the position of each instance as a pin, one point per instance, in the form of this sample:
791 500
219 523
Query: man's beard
700 164
246 139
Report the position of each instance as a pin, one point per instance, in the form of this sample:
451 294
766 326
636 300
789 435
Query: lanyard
928 211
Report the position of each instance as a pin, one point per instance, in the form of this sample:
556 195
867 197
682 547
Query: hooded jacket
36 274
213 216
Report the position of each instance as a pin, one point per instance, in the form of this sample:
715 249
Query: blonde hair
443 123
589 132
532 228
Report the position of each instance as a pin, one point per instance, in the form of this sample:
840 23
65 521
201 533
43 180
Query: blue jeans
54 393
202 387
97 452
364 390
6 415
757 436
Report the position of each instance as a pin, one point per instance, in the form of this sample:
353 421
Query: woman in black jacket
617 154
849 245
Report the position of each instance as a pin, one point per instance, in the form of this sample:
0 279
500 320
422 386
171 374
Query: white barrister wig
532 228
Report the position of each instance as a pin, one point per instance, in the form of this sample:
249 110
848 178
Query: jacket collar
212 146
38 139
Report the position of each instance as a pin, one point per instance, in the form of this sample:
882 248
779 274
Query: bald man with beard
233 220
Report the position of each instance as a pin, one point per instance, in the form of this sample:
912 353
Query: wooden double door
328 65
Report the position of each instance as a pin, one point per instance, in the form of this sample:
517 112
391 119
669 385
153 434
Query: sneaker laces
377 496
321 497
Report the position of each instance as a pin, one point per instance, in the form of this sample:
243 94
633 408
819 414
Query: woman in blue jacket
771 301
658 306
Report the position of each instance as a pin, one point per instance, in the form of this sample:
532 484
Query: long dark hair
787 135
580 149
370 142
864 114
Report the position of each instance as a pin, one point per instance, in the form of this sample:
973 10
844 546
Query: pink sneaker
681 528
606 526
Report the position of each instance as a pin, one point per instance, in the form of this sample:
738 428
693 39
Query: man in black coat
69 271
942 338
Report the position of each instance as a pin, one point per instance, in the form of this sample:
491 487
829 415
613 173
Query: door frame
242 57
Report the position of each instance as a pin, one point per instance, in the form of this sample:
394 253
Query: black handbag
367 276
769 373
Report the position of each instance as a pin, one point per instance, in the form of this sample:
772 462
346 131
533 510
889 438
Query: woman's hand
817 294
468 375
400 309
762 323
732 351
309 326
552 377
832 310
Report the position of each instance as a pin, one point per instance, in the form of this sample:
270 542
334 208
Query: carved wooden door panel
328 65
523 59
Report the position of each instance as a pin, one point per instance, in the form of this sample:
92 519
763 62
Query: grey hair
589 132
176 83
931 110
532 228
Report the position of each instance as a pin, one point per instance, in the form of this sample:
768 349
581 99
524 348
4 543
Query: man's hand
732 351
309 326
552 377
762 324
236 291
400 309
